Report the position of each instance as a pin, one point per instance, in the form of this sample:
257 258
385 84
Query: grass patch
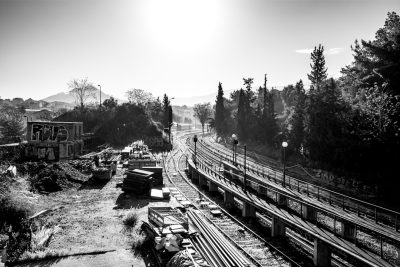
138 238
131 219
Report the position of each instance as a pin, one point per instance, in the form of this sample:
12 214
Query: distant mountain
69 98
60 97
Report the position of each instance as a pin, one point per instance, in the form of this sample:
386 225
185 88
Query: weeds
131 219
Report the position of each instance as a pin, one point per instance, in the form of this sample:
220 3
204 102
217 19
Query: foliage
202 112
139 97
318 69
11 127
324 123
167 112
242 120
220 123
131 219
117 126
110 103
82 90
376 62
296 133
13 212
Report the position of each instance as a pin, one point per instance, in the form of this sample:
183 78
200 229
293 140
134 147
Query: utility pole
284 145
100 93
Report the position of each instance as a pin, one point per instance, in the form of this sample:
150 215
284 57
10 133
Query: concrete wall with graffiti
54 131
54 140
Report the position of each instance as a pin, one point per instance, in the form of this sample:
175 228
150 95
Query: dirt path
90 219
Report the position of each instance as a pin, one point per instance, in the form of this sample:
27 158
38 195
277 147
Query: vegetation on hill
121 124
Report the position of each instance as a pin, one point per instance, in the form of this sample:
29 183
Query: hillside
117 126
69 98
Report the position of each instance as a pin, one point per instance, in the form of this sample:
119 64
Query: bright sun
182 26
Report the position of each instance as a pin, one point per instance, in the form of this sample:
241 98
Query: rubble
46 178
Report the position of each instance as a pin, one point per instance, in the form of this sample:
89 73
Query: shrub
130 220
13 212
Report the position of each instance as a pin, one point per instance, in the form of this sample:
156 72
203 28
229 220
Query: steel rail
286 257
378 232
248 255
280 253
375 208
370 262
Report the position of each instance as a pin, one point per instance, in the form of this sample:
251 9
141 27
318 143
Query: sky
179 47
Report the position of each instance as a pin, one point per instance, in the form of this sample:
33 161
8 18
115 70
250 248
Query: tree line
349 125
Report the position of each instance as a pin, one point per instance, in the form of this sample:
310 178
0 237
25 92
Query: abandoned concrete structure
54 140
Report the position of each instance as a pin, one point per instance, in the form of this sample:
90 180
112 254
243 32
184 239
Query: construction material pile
213 245
137 181
83 165
157 174
187 258
102 173
168 231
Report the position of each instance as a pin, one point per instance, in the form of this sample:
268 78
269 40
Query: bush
13 212
131 219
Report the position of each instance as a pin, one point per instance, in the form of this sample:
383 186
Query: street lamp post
195 151
234 144
284 145
100 93
170 124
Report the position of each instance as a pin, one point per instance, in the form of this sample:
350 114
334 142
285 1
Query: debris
12 171
102 173
156 194
166 192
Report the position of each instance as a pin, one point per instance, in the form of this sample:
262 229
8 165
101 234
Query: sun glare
182 26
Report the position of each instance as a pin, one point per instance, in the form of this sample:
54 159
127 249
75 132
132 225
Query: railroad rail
359 207
290 219
384 235
266 254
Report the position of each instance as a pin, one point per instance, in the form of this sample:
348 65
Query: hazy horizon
180 47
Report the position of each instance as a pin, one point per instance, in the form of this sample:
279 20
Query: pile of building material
213 245
157 170
102 173
164 217
168 231
138 182
187 258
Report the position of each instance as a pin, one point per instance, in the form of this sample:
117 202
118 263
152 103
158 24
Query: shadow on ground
128 200
93 184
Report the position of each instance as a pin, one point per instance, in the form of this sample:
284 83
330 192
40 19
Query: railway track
257 249
273 172
387 250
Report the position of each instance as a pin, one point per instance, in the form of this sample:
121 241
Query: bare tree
139 97
202 112
82 90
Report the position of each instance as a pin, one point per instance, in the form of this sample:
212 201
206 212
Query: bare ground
90 219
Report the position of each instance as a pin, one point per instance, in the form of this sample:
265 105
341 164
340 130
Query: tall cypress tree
166 111
318 69
296 135
242 116
324 123
220 112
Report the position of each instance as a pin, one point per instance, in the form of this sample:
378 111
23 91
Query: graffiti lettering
45 132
